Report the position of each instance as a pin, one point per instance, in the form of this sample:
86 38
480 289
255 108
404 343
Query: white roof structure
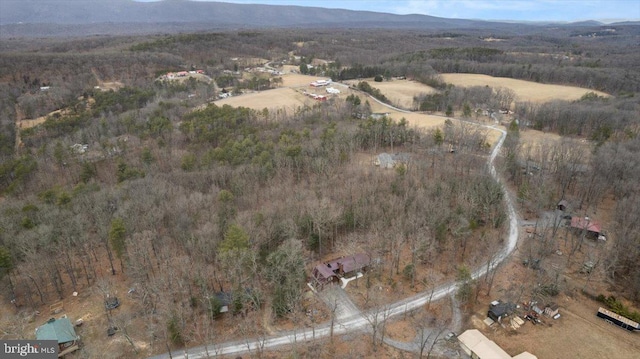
320 82
473 341
525 355
333 90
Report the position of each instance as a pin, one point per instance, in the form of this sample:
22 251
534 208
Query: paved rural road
361 321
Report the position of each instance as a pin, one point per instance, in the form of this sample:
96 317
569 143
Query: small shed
62 331
563 205
551 310
499 310
236 300
225 299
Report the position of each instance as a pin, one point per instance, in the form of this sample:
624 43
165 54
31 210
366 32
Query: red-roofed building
593 228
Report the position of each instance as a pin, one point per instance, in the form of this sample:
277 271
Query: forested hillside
113 177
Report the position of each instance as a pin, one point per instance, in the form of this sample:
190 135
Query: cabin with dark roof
499 310
332 271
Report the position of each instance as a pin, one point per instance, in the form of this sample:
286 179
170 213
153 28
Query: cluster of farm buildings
476 345
175 75
322 83
315 96
272 72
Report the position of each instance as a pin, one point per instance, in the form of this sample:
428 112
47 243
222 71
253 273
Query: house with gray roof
386 160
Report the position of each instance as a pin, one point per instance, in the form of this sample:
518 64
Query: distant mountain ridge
185 15
69 12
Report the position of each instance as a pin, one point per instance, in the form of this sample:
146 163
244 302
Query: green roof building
62 331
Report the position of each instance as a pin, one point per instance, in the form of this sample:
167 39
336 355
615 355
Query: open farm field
284 98
295 80
399 92
287 98
419 120
524 90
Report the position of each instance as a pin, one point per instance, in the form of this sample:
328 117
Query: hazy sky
531 10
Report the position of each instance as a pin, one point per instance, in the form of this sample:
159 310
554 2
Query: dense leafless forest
182 203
